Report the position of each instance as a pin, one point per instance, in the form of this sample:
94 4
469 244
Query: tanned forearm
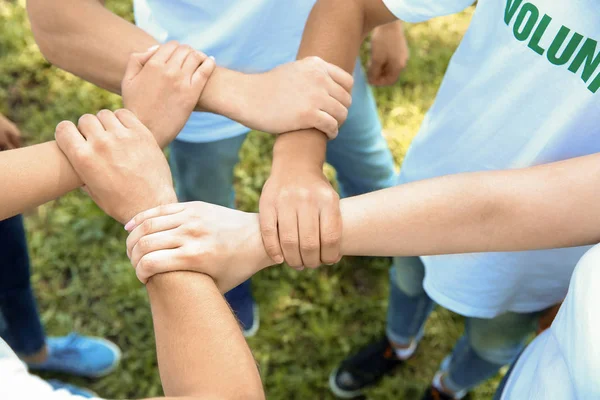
548 206
86 39
32 176
201 350
334 32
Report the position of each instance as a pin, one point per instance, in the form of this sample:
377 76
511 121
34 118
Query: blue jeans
20 324
486 346
360 155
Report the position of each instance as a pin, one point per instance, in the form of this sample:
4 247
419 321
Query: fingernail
129 226
278 260
156 46
213 58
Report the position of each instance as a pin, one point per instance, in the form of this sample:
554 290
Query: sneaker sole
338 391
248 333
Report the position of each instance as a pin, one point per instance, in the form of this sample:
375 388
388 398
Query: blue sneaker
74 354
74 390
245 308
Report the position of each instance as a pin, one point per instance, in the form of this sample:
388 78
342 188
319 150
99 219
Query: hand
163 85
300 217
309 93
10 136
389 54
220 242
119 161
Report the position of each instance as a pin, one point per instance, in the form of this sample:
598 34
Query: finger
69 139
375 70
288 236
268 228
157 262
153 225
340 94
128 119
178 57
136 62
308 228
341 77
166 209
192 62
15 139
203 73
326 124
330 220
89 125
164 240
335 109
109 121
164 52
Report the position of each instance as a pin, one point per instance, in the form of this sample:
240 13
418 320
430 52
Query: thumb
137 62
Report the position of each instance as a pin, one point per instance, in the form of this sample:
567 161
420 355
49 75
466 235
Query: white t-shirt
17 384
513 96
564 362
245 35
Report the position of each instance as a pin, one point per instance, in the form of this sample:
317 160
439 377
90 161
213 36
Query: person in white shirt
253 37
521 90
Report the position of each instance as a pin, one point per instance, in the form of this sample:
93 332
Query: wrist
165 196
305 149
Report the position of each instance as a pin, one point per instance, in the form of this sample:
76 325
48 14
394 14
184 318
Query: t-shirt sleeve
577 326
423 10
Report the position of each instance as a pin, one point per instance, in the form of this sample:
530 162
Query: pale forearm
200 346
548 206
32 176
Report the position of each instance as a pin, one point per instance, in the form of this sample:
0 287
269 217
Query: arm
201 350
547 206
34 175
297 189
86 39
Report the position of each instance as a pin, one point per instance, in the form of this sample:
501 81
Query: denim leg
23 329
488 345
204 172
360 153
409 305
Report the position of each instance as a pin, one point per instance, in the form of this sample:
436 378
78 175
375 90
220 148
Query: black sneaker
434 394
363 369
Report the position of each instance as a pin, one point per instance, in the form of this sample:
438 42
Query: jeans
20 327
360 155
486 346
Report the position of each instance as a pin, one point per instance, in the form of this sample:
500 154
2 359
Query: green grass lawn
309 320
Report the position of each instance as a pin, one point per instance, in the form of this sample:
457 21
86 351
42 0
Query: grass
309 320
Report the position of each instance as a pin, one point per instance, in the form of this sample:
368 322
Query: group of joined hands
119 159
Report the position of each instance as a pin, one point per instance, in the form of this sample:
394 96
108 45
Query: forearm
32 176
548 206
200 346
86 39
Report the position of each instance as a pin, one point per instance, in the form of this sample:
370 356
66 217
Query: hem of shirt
469 311
400 12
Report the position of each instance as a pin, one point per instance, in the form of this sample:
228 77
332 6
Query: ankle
439 382
38 357
404 351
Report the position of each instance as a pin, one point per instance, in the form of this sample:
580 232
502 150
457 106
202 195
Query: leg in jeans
204 172
488 345
360 153
22 326
409 305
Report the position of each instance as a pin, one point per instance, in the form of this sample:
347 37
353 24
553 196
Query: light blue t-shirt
563 363
522 89
243 35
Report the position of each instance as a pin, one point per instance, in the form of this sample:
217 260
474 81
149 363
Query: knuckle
123 112
331 239
143 244
309 245
147 266
147 226
104 113
330 259
288 241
